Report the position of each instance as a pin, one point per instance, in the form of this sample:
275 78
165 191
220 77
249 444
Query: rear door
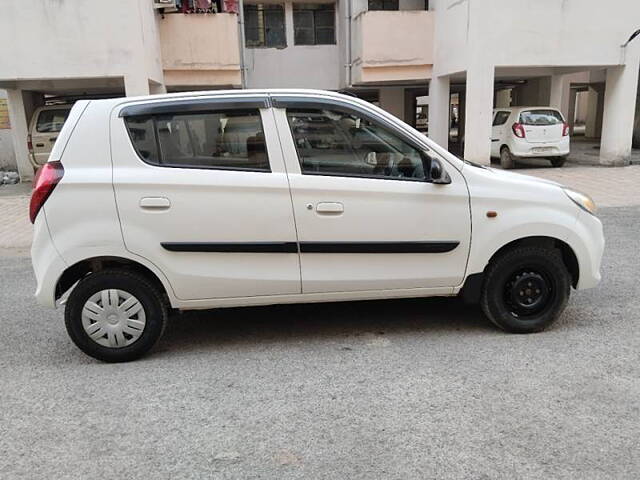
542 125
46 126
366 217
499 131
202 193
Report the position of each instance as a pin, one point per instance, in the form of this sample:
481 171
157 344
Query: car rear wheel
558 161
526 289
506 159
115 315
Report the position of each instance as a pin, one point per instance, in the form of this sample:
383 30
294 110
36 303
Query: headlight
583 200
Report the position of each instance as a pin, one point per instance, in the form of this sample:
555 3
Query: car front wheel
115 315
526 289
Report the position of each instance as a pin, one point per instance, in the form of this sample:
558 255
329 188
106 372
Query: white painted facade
489 53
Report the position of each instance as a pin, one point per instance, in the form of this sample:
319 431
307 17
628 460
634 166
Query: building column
19 133
595 107
392 100
503 98
478 113
135 85
619 110
560 93
439 100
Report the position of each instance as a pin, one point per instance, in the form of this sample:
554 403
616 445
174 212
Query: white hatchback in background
529 132
254 197
46 124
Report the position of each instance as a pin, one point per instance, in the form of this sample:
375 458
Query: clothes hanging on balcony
203 4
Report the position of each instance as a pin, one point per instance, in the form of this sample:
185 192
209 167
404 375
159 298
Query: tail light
29 143
518 130
565 129
48 176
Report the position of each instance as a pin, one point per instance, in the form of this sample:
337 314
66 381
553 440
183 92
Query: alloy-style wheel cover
113 318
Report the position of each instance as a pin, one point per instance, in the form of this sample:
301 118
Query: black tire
558 162
507 160
526 289
148 295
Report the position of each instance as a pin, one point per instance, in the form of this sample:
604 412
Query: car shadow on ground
320 322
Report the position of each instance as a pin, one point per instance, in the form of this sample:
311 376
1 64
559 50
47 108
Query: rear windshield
540 117
51 121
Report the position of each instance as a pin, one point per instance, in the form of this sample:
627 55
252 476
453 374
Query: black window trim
292 101
190 106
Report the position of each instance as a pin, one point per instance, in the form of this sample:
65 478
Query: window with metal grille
264 25
314 24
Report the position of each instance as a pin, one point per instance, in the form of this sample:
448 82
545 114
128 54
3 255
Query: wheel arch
87 266
472 287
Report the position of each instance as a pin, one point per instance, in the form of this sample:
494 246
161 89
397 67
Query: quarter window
314 24
331 142
264 26
231 139
501 118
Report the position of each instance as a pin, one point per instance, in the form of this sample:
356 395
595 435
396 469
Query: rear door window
501 118
51 121
232 139
541 117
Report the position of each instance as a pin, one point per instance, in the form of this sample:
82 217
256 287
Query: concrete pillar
560 93
571 114
156 88
462 105
595 108
392 100
19 131
503 98
619 111
479 108
439 99
135 85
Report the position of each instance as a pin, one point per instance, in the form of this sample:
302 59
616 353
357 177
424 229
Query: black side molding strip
312 247
192 105
377 247
234 247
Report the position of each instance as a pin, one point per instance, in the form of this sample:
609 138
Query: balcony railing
200 50
392 46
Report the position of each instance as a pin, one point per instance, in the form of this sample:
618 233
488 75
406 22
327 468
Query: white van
44 129
225 199
529 132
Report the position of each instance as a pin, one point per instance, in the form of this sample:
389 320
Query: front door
367 219
202 193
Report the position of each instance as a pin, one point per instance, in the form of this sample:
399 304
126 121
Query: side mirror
437 173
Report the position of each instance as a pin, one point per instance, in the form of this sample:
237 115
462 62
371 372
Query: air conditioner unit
164 3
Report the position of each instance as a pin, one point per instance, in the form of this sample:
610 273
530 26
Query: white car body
544 140
226 237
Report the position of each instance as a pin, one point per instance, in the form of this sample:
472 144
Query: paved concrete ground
370 390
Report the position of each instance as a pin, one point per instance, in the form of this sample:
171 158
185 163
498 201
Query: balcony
392 46
200 51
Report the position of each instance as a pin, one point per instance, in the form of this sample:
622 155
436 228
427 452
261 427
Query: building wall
309 66
527 33
79 38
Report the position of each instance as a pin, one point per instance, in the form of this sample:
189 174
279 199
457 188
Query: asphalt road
370 390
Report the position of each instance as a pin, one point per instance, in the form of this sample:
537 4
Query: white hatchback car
221 199
529 132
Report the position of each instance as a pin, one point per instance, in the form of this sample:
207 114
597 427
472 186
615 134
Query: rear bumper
522 148
47 263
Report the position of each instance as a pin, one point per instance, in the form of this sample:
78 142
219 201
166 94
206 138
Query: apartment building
433 63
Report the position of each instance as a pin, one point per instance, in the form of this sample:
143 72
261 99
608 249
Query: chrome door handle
155 203
330 208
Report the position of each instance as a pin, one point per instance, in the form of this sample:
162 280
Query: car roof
522 109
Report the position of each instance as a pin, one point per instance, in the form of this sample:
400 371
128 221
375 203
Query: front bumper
587 241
